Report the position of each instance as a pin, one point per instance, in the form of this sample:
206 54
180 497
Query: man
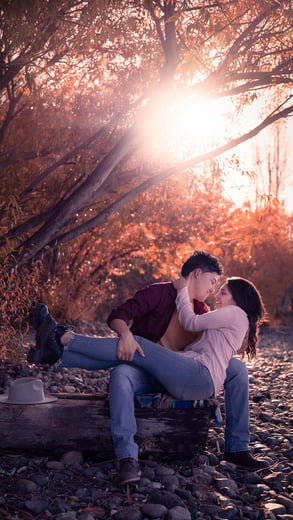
152 313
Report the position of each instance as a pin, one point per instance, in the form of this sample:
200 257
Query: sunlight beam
179 126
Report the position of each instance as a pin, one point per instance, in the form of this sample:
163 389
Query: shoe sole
246 468
128 481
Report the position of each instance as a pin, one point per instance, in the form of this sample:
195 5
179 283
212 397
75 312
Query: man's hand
127 346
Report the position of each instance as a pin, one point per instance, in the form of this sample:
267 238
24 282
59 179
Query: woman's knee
237 370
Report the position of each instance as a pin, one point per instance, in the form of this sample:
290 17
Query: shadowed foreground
77 486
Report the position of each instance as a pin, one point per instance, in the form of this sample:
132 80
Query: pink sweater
223 332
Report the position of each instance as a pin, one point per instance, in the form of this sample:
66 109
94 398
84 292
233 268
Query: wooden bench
166 428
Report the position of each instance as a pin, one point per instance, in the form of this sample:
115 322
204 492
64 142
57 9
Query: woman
196 373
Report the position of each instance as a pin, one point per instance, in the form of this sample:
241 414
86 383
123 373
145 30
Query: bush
18 291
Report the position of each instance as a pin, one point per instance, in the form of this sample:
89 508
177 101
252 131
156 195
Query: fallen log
82 422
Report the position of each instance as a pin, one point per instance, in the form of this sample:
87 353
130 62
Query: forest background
103 188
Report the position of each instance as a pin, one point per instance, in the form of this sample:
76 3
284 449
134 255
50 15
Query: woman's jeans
182 377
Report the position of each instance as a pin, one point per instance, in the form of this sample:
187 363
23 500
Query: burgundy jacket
150 310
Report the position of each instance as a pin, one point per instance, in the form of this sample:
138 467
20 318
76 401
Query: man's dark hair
201 260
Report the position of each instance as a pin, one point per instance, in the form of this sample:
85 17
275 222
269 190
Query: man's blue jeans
126 381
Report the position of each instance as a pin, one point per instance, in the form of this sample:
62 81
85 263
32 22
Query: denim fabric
126 380
236 388
183 377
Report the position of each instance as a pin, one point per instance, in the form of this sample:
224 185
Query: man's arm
141 304
127 344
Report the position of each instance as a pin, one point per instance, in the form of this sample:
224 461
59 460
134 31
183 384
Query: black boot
40 313
245 460
48 348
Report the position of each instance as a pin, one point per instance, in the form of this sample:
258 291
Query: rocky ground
76 486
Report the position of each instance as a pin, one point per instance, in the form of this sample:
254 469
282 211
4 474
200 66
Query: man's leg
125 382
237 435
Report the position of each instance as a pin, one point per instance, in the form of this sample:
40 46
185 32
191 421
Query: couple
170 342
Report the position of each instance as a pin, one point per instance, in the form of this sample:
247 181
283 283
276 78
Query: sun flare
181 126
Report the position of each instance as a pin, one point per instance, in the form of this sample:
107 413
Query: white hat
27 390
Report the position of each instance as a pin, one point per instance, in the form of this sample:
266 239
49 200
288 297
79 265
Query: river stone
179 513
166 498
36 506
153 510
128 513
23 486
276 509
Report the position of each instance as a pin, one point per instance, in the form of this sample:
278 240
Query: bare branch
156 179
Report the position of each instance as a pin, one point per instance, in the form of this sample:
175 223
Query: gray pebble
72 458
128 513
287 502
228 512
163 470
274 480
60 476
36 506
23 486
166 498
85 516
59 506
40 479
179 513
170 482
275 508
148 473
153 510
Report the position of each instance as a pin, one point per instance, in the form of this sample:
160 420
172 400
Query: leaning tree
80 78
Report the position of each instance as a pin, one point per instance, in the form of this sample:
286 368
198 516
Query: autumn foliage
96 203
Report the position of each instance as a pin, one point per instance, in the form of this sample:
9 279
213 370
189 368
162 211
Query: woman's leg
236 387
78 360
183 378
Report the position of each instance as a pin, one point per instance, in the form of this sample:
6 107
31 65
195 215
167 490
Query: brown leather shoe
244 460
128 471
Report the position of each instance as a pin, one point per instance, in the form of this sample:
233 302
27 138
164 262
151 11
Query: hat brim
4 399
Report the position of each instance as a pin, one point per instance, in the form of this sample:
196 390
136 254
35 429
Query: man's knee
124 377
120 373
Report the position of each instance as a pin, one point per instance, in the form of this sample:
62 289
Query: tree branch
149 183
234 49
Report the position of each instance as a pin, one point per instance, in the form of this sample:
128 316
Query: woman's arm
194 322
